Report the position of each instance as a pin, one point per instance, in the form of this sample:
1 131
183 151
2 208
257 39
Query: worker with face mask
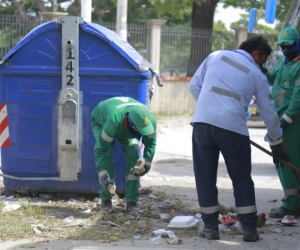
285 80
131 123
223 87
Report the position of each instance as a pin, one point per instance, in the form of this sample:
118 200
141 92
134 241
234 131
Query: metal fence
176 44
12 30
175 41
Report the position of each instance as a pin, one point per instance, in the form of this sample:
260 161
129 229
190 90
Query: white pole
121 24
86 10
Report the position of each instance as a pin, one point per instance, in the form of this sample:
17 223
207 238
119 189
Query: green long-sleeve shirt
285 79
110 115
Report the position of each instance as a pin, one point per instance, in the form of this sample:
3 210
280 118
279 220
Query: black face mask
263 69
290 55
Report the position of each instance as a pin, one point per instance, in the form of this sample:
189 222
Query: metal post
86 10
69 126
121 24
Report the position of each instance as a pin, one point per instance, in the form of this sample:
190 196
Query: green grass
17 224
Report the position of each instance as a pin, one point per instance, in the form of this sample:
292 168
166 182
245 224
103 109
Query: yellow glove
139 168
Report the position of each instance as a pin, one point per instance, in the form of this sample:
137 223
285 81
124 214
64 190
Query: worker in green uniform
285 79
132 124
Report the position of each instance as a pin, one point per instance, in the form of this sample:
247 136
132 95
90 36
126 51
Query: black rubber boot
132 208
210 233
250 235
280 212
106 205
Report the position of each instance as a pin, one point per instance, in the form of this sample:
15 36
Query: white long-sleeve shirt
223 87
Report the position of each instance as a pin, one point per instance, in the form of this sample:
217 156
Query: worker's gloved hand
285 121
279 151
147 168
141 168
107 184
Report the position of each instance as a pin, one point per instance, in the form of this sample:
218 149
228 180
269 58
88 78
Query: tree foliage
195 14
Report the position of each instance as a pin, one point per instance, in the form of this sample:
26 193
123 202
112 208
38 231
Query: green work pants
291 139
130 147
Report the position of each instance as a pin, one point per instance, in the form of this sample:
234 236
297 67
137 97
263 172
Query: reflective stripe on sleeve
209 210
288 119
152 135
246 210
128 104
297 82
106 137
132 177
237 65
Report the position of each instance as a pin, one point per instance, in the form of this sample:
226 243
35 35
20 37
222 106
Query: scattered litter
175 241
112 224
156 240
40 227
136 237
72 222
113 238
141 224
183 222
10 206
222 227
272 200
198 216
261 219
288 220
237 224
164 217
145 191
163 232
227 220
68 219
115 200
146 213
36 231
166 204
87 211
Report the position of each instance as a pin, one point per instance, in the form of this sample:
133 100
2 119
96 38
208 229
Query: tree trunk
201 35
19 11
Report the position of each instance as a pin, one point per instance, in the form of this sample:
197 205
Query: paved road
172 170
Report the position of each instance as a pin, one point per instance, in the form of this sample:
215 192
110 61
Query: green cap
288 35
140 116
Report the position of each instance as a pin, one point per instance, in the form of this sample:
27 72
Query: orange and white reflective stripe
4 134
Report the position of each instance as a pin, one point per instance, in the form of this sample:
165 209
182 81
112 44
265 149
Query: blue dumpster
49 83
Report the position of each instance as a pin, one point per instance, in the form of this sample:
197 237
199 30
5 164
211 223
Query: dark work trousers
208 142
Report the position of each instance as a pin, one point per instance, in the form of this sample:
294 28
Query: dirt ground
172 173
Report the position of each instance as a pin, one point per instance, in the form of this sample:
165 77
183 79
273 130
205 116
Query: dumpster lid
122 46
